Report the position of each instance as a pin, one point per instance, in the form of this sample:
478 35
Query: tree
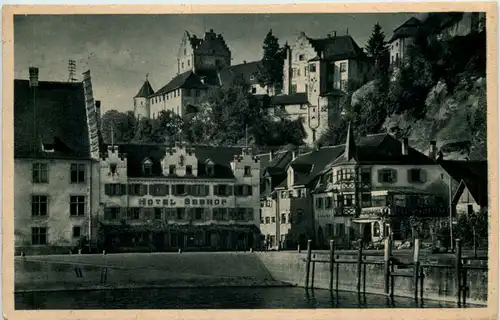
377 46
271 73
166 127
123 125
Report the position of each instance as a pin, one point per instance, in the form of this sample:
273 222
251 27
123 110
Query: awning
365 220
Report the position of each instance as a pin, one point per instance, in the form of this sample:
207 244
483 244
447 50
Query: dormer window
147 167
171 169
112 169
252 77
48 147
248 171
189 170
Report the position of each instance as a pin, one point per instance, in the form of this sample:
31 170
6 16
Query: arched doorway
320 237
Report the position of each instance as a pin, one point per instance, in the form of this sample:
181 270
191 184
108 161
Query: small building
166 197
56 152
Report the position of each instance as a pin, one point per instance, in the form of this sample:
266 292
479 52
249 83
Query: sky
119 50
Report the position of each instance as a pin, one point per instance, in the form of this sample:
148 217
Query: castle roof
249 71
407 29
53 114
186 80
337 48
145 91
212 44
289 99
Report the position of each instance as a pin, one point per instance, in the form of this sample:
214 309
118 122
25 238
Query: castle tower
141 100
317 115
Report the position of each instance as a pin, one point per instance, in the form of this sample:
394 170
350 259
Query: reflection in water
212 298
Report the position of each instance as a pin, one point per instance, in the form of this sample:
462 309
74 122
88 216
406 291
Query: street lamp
473 220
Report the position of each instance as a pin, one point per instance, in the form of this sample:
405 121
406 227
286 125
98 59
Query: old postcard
250 161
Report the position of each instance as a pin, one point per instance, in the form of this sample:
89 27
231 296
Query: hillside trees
271 73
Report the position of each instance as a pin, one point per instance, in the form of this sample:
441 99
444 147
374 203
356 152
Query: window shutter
167 187
123 189
216 190
423 175
250 191
144 189
229 190
207 190
380 175
107 189
189 189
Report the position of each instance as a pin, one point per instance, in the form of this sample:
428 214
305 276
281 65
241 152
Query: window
343 85
416 175
111 213
112 169
284 194
294 73
366 175
366 199
319 203
293 89
248 171
40 173
223 190
171 169
305 70
182 65
307 89
217 62
198 213
328 202
189 63
197 93
158 213
340 201
267 220
283 218
115 189
77 205
148 169
348 200
77 173
312 68
302 57
137 189
387 175
209 169
340 230
298 72
134 213
158 189
76 232
189 170
39 206
181 212
254 89
179 189
273 219
38 236
343 67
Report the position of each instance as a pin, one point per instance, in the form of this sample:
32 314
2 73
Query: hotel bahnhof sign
181 202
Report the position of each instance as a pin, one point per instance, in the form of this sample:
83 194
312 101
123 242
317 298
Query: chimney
33 77
271 155
244 61
404 145
433 150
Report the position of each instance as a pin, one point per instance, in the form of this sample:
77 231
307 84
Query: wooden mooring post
360 257
387 256
416 267
458 268
308 263
332 259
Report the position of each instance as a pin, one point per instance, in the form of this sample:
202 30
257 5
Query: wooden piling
464 286
416 254
337 277
308 263
422 283
458 267
332 252
360 256
312 273
386 265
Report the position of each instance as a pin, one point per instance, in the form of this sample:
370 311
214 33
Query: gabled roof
310 164
248 70
338 48
294 98
220 156
145 91
186 80
471 174
54 113
385 149
407 29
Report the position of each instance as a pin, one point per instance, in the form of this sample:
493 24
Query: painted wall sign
182 203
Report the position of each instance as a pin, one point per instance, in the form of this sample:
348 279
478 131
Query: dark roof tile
247 70
338 48
54 112
145 91
294 98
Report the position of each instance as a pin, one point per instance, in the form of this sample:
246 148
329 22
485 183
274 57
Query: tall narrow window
39 206
77 205
77 173
171 169
38 236
248 171
40 173
77 231
189 170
